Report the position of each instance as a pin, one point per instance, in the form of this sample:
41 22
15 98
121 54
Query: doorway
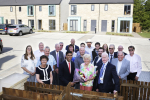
124 26
93 25
40 24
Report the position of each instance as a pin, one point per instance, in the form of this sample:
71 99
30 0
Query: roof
28 2
101 2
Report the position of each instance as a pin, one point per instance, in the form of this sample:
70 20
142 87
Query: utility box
1 20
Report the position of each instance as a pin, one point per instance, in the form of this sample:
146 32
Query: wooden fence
136 27
135 90
65 26
69 93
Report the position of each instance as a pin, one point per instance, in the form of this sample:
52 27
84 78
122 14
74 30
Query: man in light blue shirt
82 45
51 61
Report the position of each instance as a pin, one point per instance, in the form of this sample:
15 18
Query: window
19 9
12 21
11 9
40 8
92 7
51 10
106 7
73 25
6 21
73 9
31 23
84 25
124 26
51 24
19 21
112 25
127 9
30 11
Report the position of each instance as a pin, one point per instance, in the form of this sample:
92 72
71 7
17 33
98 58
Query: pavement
14 48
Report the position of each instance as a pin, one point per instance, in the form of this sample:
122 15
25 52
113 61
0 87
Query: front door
104 26
40 24
93 25
73 25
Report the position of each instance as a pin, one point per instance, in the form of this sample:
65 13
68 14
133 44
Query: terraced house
104 15
38 14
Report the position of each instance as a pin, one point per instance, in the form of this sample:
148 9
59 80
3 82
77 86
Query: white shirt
64 52
74 54
103 71
110 56
89 50
29 64
119 66
99 58
68 65
38 54
135 63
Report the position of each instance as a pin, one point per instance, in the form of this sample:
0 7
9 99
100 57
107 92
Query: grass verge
145 33
119 34
76 32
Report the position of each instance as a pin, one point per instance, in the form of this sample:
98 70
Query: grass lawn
145 33
43 31
119 34
76 32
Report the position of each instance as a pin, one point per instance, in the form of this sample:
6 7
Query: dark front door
40 24
93 25
104 26
12 21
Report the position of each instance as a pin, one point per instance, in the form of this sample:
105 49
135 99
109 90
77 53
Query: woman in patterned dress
89 71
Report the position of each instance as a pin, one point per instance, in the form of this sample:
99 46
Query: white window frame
106 7
92 7
11 9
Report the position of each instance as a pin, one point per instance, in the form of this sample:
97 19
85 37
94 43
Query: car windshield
2 26
12 26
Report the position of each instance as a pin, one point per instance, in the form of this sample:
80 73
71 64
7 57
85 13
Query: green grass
145 33
119 34
76 32
43 31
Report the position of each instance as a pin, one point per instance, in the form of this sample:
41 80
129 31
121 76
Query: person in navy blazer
66 72
75 46
104 83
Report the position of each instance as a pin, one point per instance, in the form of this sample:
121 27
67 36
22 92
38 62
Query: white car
19 29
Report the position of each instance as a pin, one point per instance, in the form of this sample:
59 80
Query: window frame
74 9
84 27
127 9
28 10
19 9
11 9
18 21
53 9
93 7
40 8
112 24
105 7
31 24
53 26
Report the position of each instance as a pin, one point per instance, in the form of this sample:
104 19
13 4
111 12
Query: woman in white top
71 48
28 64
105 46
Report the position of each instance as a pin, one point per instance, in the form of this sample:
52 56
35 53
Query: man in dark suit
107 72
111 54
95 51
76 48
120 48
66 70
59 57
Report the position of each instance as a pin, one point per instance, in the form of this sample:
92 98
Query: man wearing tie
66 70
122 66
59 57
107 72
112 55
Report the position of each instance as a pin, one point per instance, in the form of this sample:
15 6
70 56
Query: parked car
4 28
19 29
1 45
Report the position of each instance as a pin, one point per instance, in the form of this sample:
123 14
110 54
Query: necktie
111 58
57 59
69 68
101 74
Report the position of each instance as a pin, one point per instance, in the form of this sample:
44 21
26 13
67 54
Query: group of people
101 66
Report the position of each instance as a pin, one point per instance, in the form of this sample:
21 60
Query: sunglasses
130 49
69 55
111 48
61 45
28 48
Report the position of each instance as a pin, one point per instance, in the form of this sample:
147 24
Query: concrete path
14 46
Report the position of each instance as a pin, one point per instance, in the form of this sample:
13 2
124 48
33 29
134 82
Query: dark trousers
77 85
131 76
101 87
55 79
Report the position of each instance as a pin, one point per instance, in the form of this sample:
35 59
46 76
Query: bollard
95 30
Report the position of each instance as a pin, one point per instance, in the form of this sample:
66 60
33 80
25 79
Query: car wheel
0 50
20 33
10 34
31 32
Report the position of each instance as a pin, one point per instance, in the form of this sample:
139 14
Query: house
102 15
38 14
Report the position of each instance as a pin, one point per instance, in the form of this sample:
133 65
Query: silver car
19 29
